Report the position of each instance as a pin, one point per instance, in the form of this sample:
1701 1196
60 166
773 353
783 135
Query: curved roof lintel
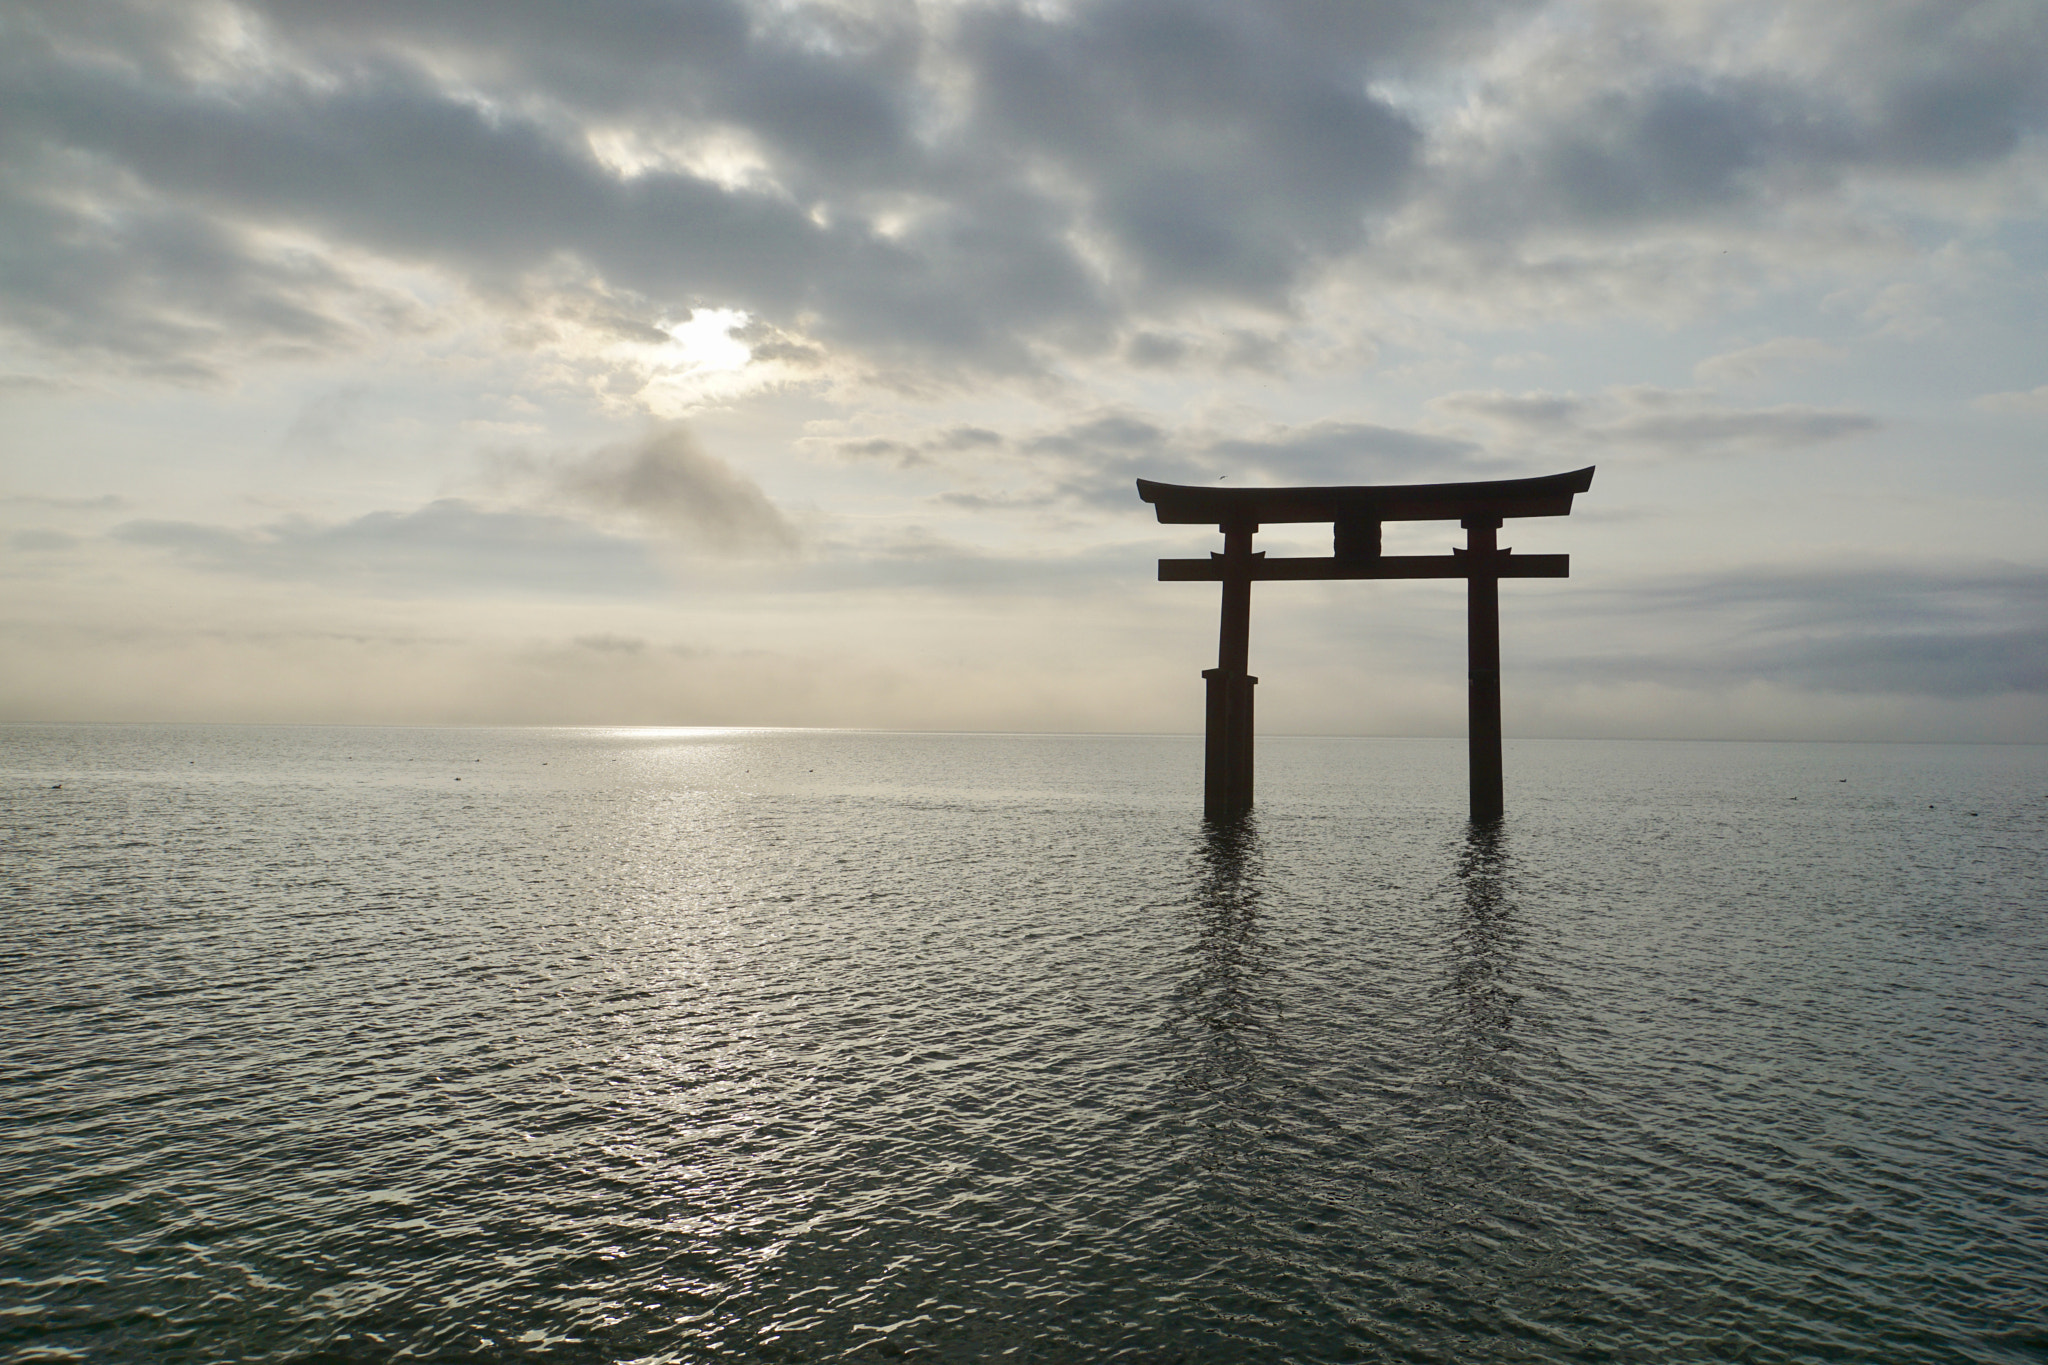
1547 496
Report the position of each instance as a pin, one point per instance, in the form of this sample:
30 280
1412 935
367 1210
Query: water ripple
693 1046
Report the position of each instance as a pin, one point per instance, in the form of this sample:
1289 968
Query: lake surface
636 1045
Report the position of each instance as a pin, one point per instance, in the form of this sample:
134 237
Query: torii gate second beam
1356 513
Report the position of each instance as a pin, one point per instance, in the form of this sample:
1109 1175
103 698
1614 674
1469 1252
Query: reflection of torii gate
1357 513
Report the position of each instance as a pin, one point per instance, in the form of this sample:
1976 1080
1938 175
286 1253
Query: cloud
1906 629
611 644
915 558
669 482
1265 349
1752 363
1216 150
42 540
1666 422
930 192
324 420
1710 118
446 546
1669 156
923 450
2027 402
1108 432
1093 459
105 502
950 188
37 384
1350 452
109 275
1947 664
1703 432
1156 351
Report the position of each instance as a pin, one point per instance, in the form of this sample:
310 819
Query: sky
762 362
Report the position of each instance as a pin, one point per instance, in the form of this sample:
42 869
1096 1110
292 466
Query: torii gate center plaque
1356 513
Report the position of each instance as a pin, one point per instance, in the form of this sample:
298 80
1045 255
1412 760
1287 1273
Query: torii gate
1356 513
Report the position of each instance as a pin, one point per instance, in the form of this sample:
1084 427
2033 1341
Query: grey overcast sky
770 362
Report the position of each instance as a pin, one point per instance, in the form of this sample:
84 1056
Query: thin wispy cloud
1673 423
1874 627
445 546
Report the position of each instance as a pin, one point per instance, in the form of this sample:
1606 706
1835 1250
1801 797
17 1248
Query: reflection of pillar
1227 741
1482 644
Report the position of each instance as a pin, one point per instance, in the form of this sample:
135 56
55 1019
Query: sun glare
707 343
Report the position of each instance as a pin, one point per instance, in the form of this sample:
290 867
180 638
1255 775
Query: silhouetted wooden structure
1356 513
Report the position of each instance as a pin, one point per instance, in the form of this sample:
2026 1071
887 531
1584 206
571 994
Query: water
346 1044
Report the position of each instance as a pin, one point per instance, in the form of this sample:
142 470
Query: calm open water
607 1045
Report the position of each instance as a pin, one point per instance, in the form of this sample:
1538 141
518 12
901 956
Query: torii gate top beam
1548 496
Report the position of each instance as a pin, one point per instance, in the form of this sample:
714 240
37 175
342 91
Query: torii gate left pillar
1357 513
1227 735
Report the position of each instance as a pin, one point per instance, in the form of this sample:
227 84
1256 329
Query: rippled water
344 1044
